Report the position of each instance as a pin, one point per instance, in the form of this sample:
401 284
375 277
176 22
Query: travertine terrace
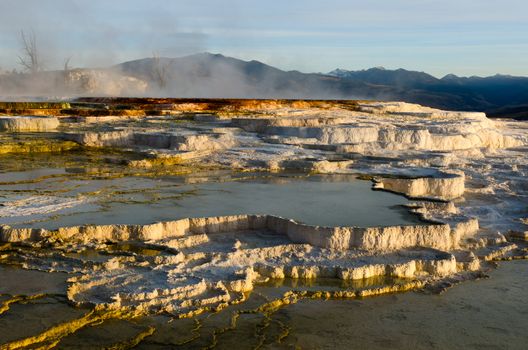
465 175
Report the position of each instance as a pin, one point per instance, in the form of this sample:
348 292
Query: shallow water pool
325 200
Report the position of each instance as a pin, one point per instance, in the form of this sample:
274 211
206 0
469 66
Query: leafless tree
67 67
29 59
159 71
66 71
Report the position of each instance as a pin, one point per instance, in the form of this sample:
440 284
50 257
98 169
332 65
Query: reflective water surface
325 200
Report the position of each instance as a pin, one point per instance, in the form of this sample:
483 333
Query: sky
464 37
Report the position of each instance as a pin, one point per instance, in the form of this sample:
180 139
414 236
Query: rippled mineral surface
260 224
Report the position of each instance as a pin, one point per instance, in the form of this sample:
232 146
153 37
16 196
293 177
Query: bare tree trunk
159 71
29 59
66 72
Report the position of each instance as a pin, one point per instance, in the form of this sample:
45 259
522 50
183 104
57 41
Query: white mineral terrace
465 173
213 259
440 236
28 123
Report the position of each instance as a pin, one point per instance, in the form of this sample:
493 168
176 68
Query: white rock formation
392 126
28 124
214 260
439 236
117 138
104 82
476 166
442 186
125 138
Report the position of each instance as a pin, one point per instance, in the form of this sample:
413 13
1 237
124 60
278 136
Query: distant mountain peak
381 76
450 77
338 72
204 55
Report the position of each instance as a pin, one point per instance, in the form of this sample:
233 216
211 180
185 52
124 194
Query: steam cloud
100 50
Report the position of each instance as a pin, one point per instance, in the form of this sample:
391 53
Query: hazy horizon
465 37
326 72
308 72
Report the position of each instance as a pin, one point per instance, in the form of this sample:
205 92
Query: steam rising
61 34
102 49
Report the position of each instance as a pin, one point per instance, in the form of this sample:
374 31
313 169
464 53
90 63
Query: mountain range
208 75
497 95
215 75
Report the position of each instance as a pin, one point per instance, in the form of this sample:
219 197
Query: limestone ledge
28 124
156 140
380 126
444 264
371 138
185 294
443 185
398 107
438 236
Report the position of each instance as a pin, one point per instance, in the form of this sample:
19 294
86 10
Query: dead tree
159 71
67 67
66 71
29 59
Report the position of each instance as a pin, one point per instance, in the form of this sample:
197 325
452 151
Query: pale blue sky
465 37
